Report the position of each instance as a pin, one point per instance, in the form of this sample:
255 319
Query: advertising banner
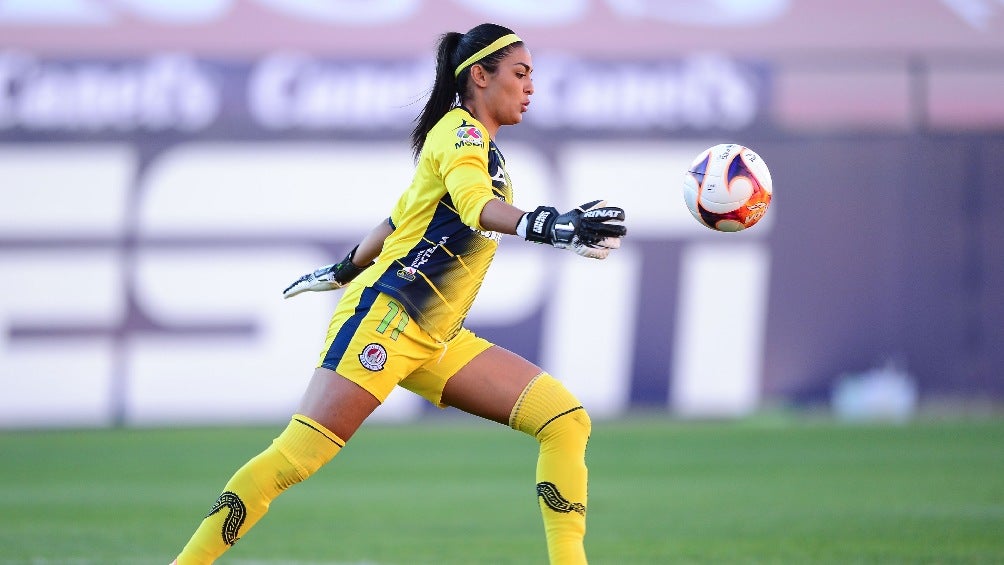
166 169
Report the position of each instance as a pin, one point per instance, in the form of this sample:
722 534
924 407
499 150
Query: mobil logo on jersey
468 135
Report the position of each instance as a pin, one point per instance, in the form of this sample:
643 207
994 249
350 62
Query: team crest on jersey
468 135
373 357
407 273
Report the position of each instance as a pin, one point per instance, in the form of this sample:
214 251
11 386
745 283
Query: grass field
449 492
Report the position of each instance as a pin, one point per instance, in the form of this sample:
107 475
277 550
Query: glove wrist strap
539 224
347 270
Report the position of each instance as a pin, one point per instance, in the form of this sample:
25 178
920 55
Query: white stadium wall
166 169
163 303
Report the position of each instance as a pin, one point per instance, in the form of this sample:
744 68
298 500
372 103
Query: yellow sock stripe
314 425
519 401
536 433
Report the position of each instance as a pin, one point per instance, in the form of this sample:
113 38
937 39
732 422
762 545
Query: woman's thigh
337 403
371 345
490 384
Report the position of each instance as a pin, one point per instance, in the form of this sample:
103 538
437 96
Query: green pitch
462 492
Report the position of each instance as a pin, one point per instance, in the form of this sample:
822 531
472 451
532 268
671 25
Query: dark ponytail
443 96
449 90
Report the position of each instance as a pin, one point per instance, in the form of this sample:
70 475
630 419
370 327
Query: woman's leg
490 384
502 386
337 403
332 409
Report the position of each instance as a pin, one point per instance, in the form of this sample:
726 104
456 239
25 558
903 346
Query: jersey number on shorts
393 310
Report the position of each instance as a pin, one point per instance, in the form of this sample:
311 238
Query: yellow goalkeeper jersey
436 258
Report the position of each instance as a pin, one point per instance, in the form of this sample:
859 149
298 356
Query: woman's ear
478 75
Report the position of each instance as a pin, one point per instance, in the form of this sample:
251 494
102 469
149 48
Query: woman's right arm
339 274
371 245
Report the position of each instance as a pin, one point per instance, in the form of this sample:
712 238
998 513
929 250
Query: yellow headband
499 43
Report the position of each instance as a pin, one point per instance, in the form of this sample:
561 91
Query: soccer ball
728 187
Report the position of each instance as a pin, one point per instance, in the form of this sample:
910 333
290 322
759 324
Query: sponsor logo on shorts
373 357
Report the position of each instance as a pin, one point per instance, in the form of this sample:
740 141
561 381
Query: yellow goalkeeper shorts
373 342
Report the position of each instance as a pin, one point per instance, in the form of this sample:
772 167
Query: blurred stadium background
168 167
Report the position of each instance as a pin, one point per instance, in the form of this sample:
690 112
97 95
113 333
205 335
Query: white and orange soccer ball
728 187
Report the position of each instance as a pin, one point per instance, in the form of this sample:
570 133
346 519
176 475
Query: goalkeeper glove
591 230
329 277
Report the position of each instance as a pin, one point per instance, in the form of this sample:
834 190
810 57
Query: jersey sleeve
463 166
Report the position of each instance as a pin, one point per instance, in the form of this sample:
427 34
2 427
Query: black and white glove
591 230
329 277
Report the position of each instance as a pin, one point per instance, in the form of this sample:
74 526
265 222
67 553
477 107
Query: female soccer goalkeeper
413 279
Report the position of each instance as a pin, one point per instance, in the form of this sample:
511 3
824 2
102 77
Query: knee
582 418
547 409
574 423
307 446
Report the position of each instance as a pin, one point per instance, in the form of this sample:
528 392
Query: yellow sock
299 451
549 412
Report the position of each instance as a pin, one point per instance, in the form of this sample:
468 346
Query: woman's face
507 94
